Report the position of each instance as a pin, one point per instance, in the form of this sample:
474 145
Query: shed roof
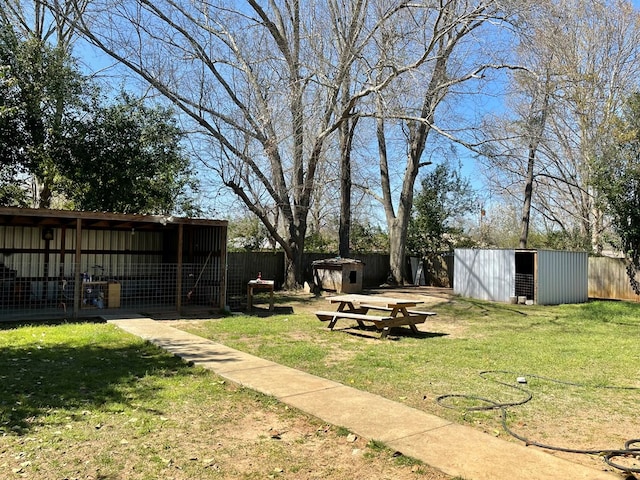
41 217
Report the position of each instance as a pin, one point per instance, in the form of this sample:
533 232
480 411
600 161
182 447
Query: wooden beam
223 265
179 270
77 291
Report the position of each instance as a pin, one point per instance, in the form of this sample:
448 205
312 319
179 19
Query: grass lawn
88 401
581 364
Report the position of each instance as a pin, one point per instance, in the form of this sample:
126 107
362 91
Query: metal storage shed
546 277
118 262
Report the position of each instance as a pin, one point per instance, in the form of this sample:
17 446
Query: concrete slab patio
454 449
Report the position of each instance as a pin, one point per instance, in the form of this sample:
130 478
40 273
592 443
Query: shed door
525 275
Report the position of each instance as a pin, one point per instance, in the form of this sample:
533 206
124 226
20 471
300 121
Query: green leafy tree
127 158
619 179
11 140
445 197
367 238
320 242
57 140
247 233
37 82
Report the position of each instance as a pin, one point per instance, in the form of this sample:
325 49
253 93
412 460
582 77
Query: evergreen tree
445 196
58 140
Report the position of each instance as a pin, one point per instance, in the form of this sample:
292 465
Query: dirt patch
241 435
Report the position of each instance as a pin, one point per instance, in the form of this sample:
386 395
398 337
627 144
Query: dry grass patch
90 402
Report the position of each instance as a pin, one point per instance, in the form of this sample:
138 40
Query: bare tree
584 55
599 67
450 37
344 31
262 82
536 120
268 85
36 19
516 136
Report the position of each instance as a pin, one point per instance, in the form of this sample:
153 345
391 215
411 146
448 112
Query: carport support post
224 268
77 291
179 271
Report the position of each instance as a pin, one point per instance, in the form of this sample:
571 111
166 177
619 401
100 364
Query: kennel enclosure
78 261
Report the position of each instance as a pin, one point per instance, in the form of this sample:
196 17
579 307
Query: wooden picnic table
356 307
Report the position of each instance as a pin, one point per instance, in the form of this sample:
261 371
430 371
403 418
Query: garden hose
631 447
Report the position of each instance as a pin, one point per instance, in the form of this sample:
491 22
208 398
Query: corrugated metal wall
560 277
123 251
563 277
95 243
27 264
484 274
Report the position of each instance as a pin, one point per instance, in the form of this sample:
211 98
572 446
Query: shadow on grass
39 380
265 312
395 333
405 332
486 308
48 322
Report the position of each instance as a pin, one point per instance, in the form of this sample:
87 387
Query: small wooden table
100 294
266 285
356 307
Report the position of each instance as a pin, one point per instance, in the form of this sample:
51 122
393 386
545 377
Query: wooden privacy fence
607 276
438 268
146 285
608 279
244 266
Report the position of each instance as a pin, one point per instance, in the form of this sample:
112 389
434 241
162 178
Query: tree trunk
537 121
397 255
294 268
44 195
399 225
347 131
418 134
528 193
344 228
596 230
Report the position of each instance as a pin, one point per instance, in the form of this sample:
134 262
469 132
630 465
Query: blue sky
99 62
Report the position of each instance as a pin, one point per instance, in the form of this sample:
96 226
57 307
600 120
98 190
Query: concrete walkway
454 449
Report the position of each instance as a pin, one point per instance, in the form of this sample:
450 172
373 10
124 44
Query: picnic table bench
356 307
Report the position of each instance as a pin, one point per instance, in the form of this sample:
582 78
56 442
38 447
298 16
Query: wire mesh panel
525 285
54 260
25 290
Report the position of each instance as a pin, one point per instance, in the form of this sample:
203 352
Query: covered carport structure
74 263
